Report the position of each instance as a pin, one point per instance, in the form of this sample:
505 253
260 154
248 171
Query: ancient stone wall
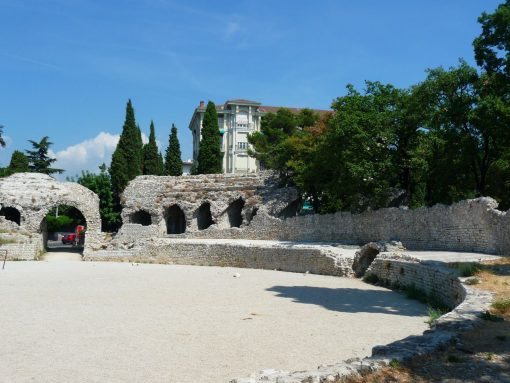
471 225
271 255
188 204
33 195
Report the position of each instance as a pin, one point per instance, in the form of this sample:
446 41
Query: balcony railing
248 126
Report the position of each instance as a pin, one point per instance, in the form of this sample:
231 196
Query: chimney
201 104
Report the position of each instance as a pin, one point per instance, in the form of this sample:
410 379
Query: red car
68 238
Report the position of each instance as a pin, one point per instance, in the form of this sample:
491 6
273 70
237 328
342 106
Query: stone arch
175 220
11 214
290 210
235 212
87 222
204 216
141 217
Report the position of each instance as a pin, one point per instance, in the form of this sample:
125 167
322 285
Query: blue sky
68 67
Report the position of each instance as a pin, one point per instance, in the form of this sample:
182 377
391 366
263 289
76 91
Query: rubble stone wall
33 195
470 225
315 259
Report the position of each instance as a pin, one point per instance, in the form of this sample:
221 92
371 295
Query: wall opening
290 210
234 212
64 229
175 220
141 217
253 213
11 214
204 216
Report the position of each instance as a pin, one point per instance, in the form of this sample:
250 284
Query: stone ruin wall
257 205
33 195
470 225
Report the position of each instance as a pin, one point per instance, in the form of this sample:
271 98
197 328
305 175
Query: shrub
468 269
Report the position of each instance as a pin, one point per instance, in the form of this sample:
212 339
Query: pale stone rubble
251 222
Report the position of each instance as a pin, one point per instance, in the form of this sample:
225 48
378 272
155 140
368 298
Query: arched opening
204 216
290 210
63 229
11 214
175 220
141 217
234 212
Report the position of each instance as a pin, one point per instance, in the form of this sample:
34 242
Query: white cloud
88 154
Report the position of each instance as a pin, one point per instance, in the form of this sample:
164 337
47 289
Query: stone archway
36 194
175 220
11 214
204 216
141 217
234 213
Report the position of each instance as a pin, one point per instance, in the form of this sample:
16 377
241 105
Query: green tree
469 127
19 163
101 185
127 158
209 153
492 47
39 161
270 145
173 161
151 160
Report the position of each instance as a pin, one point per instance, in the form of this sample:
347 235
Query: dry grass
495 276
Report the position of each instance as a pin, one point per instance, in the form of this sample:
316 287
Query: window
242 145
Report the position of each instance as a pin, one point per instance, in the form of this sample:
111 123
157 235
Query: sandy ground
114 322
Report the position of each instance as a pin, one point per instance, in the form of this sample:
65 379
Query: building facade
236 119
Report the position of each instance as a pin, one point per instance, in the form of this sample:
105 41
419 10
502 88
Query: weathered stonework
180 219
33 195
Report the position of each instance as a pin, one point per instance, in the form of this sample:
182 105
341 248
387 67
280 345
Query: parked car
69 238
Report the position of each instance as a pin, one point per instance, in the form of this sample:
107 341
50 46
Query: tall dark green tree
19 163
102 186
210 158
151 158
173 161
128 155
38 159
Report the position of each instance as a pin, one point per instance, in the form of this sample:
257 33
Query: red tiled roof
274 109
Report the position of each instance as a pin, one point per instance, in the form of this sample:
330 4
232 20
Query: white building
236 119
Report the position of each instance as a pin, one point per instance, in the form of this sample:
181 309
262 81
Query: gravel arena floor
69 321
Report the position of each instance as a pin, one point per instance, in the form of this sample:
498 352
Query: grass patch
394 364
468 269
6 241
434 314
502 305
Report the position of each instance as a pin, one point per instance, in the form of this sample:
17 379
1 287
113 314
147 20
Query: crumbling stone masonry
25 200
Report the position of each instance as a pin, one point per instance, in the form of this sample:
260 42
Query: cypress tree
19 163
161 164
209 152
151 164
173 162
127 157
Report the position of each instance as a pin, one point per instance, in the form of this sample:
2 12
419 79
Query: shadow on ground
351 300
